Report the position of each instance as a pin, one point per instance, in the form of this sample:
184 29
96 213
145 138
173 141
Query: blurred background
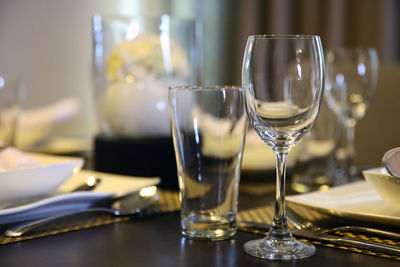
48 45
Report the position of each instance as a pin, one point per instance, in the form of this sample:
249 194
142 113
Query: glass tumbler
208 129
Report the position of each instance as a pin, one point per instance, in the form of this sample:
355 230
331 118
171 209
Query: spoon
391 161
127 205
90 184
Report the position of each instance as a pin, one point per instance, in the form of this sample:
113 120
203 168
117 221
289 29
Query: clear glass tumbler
10 88
208 128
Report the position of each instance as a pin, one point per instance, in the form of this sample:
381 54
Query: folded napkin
13 159
63 200
59 111
34 124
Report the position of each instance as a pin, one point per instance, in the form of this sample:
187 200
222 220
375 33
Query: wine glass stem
279 228
350 132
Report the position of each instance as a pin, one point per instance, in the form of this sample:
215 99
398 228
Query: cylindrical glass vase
135 60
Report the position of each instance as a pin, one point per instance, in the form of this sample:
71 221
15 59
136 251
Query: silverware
391 161
301 223
127 205
337 240
90 184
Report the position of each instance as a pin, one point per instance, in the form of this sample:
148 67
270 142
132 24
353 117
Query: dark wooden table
156 241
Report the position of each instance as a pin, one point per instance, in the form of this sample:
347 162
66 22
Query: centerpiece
136 59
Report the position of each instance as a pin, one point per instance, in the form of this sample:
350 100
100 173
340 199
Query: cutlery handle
367 230
329 238
368 245
30 226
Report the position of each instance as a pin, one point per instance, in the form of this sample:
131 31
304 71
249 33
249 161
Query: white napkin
34 124
13 159
62 201
58 111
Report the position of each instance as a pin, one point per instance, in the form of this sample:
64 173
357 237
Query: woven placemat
265 215
168 201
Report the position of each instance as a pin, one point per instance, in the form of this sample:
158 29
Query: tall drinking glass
282 78
351 79
208 128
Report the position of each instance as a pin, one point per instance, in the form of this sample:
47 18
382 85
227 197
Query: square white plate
355 201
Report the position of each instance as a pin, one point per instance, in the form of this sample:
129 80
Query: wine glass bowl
355 72
282 77
351 80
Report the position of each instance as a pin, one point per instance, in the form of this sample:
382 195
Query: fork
256 227
300 223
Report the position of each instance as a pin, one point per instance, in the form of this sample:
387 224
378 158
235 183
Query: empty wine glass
282 78
351 79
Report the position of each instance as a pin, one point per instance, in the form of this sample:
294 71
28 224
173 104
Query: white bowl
386 185
46 178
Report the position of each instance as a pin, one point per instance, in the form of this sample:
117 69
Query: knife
324 237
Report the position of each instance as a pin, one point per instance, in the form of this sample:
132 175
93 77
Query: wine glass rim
204 87
283 36
351 49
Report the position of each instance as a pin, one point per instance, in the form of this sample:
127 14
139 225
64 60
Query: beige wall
379 131
48 45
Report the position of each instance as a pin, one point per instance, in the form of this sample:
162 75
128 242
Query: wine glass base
288 249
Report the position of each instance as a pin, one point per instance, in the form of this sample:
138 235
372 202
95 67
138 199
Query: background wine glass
282 78
351 80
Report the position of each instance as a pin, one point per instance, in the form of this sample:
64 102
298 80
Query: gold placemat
265 215
168 201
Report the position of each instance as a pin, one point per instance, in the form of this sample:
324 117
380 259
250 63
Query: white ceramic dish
62 200
385 185
356 201
51 173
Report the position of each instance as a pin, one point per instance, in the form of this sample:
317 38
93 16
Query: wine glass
282 78
351 79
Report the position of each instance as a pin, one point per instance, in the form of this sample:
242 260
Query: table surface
156 241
